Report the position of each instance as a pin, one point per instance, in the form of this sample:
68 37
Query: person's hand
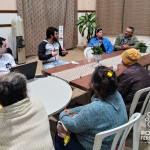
54 53
67 111
124 47
64 52
61 131
62 134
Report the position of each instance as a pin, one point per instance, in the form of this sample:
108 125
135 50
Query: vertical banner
61 36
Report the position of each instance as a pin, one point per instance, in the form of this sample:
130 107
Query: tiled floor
81 96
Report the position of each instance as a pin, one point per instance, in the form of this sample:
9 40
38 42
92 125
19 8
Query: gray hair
17 88
131 28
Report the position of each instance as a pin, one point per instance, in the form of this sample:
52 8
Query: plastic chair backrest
88 53
134 121
136 98
148 43
148 47
114 42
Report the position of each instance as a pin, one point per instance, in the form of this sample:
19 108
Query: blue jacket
96 117
107 44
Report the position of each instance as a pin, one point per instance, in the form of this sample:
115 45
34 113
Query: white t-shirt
6 62
52 47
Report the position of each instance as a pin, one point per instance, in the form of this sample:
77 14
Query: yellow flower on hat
109 73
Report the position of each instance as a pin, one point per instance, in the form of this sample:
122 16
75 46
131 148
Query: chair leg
147 127
136 134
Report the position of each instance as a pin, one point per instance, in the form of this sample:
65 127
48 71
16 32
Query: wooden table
83 82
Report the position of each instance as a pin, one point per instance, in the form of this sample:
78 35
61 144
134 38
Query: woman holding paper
106 111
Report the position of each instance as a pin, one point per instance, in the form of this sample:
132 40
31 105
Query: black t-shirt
103 48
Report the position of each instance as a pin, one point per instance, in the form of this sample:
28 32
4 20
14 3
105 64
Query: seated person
6 60
50 49
99 40
24 122
126 40
132 79
106 111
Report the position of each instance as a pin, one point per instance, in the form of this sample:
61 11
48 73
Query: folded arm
80 122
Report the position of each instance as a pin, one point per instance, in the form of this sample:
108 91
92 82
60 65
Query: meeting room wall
8 11
90 6
83 7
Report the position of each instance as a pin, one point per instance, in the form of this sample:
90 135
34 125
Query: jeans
72 145
54 64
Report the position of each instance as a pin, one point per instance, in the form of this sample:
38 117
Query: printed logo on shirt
8 65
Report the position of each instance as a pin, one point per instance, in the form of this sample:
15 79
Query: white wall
86 4
6 18
8 5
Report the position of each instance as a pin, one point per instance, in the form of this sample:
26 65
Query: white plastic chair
136 98
146 105
134 121
147 43
148 48
88 53
114 42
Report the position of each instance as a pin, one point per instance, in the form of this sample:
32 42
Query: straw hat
130 56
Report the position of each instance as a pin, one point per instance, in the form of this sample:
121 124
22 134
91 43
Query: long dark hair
104 81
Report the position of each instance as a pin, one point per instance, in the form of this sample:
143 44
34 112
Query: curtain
110 15
137 14
114 16
38 15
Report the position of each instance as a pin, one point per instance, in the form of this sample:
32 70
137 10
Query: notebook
27 69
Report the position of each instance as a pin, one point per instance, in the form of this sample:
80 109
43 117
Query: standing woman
106 111
99 40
